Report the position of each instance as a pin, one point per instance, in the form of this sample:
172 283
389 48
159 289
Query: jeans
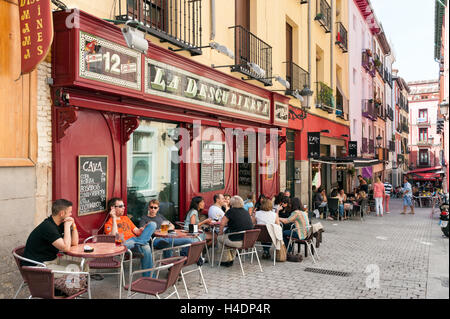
160 243
141 243
286 234
379 205
341 210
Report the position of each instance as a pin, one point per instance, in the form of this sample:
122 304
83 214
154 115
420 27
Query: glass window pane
152 170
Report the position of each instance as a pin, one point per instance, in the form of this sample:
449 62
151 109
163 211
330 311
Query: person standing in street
363 184
387 197
407 196
378 195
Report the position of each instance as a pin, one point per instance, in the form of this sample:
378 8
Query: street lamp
306 93
444 109
379 139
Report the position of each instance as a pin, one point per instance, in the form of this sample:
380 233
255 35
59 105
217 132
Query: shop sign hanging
36 32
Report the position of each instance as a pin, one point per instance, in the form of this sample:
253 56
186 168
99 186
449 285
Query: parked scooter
444 215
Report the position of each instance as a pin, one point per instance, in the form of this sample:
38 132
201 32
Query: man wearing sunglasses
158 219
133 237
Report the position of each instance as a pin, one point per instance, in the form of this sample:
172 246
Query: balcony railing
324 97
428 142
178 22
323 15
390 113
368 109
341 37
365 145
422 122
381 111
371 146
392 146
405 127
250 51
296 76
378 64
342 106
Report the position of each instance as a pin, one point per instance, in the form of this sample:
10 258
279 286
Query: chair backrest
333 203
40 281
18 252
250 237
174 271
194 252
264 236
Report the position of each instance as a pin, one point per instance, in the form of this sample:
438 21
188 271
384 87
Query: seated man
160 243
133 237
56 233
215 211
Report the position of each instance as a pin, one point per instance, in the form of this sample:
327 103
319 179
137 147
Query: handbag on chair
281 254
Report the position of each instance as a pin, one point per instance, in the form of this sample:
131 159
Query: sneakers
200 261
330 218
388 212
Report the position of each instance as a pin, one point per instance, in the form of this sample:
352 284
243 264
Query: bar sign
313 144
353 148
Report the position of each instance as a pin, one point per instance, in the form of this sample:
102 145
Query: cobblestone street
398 245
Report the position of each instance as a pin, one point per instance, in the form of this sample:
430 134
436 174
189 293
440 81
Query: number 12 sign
109 62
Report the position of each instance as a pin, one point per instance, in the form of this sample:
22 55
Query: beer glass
164 227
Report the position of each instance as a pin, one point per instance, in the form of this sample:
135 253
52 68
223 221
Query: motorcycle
444 215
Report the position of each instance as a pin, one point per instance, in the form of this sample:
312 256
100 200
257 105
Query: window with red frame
423 134
423 114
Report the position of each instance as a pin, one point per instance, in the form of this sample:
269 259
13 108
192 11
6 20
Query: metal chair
155 286
307 242
248 243
41 282
194 254
108 262
18 257
264 237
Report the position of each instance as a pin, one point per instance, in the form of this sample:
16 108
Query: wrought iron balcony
178 22
296 76
378 64
427 142
364 145
392 146
390 113
323 15
405 127
341 37
368 109
371 146
250 53
324 97
342 106
423 122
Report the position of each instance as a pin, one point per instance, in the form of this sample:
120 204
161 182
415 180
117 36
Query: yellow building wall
268 22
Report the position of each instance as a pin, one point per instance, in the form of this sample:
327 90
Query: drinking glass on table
164 227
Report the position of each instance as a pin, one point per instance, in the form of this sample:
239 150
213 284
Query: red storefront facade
100 104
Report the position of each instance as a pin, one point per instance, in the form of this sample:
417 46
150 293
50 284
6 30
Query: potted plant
377 62
351 171
369 52
319 16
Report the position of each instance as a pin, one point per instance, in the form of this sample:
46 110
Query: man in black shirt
236 219
56 233
160 243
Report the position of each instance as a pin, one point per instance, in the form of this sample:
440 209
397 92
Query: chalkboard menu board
92 184
212 167
313 144
353 148
245 174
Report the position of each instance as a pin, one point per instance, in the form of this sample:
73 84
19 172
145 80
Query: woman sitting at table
343 205
192 217
265 216
301 220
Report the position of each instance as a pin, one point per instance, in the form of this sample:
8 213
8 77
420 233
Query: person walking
378 195
407 196
387 197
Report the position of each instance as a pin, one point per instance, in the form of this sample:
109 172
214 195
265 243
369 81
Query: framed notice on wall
212 167
92 184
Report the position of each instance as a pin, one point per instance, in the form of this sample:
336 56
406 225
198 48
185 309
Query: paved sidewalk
395 256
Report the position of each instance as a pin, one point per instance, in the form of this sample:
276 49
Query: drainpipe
213 20
310 87
333 22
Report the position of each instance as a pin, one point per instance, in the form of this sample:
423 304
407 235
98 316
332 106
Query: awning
356 161
427 169
425 176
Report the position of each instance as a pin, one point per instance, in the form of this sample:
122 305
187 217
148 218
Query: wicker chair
18 257
265 238
41 283
155 286
248 243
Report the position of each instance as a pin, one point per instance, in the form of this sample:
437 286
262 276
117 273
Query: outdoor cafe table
179 233
214 226
101 250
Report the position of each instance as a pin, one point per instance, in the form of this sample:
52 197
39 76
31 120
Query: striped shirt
387 188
